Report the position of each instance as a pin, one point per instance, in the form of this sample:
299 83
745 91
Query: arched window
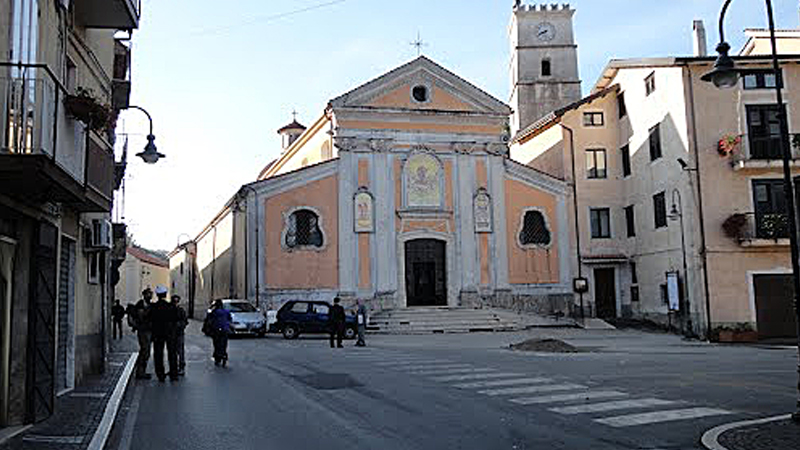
534 231
547 70
325 151
302 230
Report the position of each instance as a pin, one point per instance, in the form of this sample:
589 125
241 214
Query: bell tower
544 62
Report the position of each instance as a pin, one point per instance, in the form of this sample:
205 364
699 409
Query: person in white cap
164 317
141 321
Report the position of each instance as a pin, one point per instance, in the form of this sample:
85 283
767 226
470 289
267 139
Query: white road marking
630 420
556 398
611 406
476 376
422 367
451 371
532 389
404 362
494 383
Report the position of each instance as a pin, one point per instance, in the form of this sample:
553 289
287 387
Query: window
655 142
634 274
764 131
600 222
621 108
325 151
97 270
534 230
664 293
650 84
546 68
593 119
303 230
300 308
760 79
626 160
596 163
241 307
771 218
319 308
420 93
630 221
181 268
660 210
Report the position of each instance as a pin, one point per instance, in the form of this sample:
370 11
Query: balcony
758 230
763 154
114 14
44 155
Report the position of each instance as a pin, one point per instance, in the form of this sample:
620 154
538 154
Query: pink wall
530 266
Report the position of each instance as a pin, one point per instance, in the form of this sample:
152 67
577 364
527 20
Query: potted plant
728 143
734 226
84 106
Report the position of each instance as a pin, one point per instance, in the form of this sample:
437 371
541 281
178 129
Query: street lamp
676 213
150 154
725 75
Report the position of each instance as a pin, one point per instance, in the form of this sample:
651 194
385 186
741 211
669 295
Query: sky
219 78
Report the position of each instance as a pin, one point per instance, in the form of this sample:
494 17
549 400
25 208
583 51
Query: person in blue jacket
219 320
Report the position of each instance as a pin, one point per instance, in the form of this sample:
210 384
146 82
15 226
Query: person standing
164 317
219 320
141 320
117 314
361 320
180 334
336 323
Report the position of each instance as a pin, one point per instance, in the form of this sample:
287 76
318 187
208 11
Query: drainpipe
575 207
696 170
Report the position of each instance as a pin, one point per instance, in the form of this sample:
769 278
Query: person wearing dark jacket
336 323
219 323
164 318
141 319
180 334
117 314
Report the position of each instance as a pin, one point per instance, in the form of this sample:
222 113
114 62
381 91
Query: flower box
738 336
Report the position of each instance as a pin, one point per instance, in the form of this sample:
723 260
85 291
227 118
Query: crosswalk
611 407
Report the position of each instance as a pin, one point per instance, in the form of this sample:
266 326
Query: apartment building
677 188
63 79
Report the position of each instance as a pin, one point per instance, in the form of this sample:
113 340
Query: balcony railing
28 104
116 14
752 229
763 153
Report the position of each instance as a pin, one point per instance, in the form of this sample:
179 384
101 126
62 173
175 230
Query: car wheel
349 333
290 331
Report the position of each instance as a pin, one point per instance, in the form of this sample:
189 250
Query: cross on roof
419 43
294 115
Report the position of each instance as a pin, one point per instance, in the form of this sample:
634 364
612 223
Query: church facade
402 194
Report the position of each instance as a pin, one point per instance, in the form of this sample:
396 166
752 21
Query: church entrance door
426 273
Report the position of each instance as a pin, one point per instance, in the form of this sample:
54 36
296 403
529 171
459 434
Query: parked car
246 319
296 317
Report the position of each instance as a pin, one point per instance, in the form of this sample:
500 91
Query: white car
246 319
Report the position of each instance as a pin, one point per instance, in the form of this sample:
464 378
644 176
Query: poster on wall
673 291
482 211
363 212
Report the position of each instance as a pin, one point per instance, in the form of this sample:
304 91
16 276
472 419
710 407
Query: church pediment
422 85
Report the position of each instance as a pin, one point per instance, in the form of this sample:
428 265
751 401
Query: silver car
246 319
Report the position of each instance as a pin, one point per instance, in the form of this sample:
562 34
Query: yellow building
141 270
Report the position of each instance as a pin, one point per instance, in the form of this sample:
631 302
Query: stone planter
738 336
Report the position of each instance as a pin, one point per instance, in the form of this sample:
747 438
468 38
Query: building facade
401 194
678 189
63 78
140 270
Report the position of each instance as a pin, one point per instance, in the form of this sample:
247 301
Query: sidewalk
779 433
78 413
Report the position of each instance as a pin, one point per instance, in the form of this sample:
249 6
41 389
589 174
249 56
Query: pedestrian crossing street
611 407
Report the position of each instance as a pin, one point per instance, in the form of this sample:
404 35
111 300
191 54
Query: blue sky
219 78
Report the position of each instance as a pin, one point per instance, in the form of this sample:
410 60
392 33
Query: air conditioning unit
99 235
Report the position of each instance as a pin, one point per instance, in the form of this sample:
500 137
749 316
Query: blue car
299 316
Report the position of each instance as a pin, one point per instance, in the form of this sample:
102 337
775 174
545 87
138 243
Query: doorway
7 251
426 272
775 316
605 293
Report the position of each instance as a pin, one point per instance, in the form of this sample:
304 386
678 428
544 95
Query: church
402 194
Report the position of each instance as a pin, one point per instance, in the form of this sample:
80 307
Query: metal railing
751 225
29 107
764 148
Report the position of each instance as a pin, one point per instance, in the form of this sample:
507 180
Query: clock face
545 31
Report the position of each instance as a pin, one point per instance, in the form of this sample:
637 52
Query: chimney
699 39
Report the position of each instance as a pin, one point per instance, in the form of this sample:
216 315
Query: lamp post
150 154
676 213
725 75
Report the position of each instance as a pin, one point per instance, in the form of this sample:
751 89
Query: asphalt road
629 390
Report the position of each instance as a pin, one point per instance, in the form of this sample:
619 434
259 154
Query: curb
98 441
710 437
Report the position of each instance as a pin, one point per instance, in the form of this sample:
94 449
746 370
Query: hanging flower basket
85 107
728 144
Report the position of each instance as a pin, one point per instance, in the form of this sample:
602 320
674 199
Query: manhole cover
329 381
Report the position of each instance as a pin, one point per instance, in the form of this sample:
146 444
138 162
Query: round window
420 93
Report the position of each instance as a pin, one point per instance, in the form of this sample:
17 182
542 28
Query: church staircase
422 320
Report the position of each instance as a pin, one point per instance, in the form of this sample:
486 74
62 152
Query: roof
147 257
295 125
553 116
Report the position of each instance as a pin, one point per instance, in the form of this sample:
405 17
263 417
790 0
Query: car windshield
241 307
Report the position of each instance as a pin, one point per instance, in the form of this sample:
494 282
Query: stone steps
455 320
